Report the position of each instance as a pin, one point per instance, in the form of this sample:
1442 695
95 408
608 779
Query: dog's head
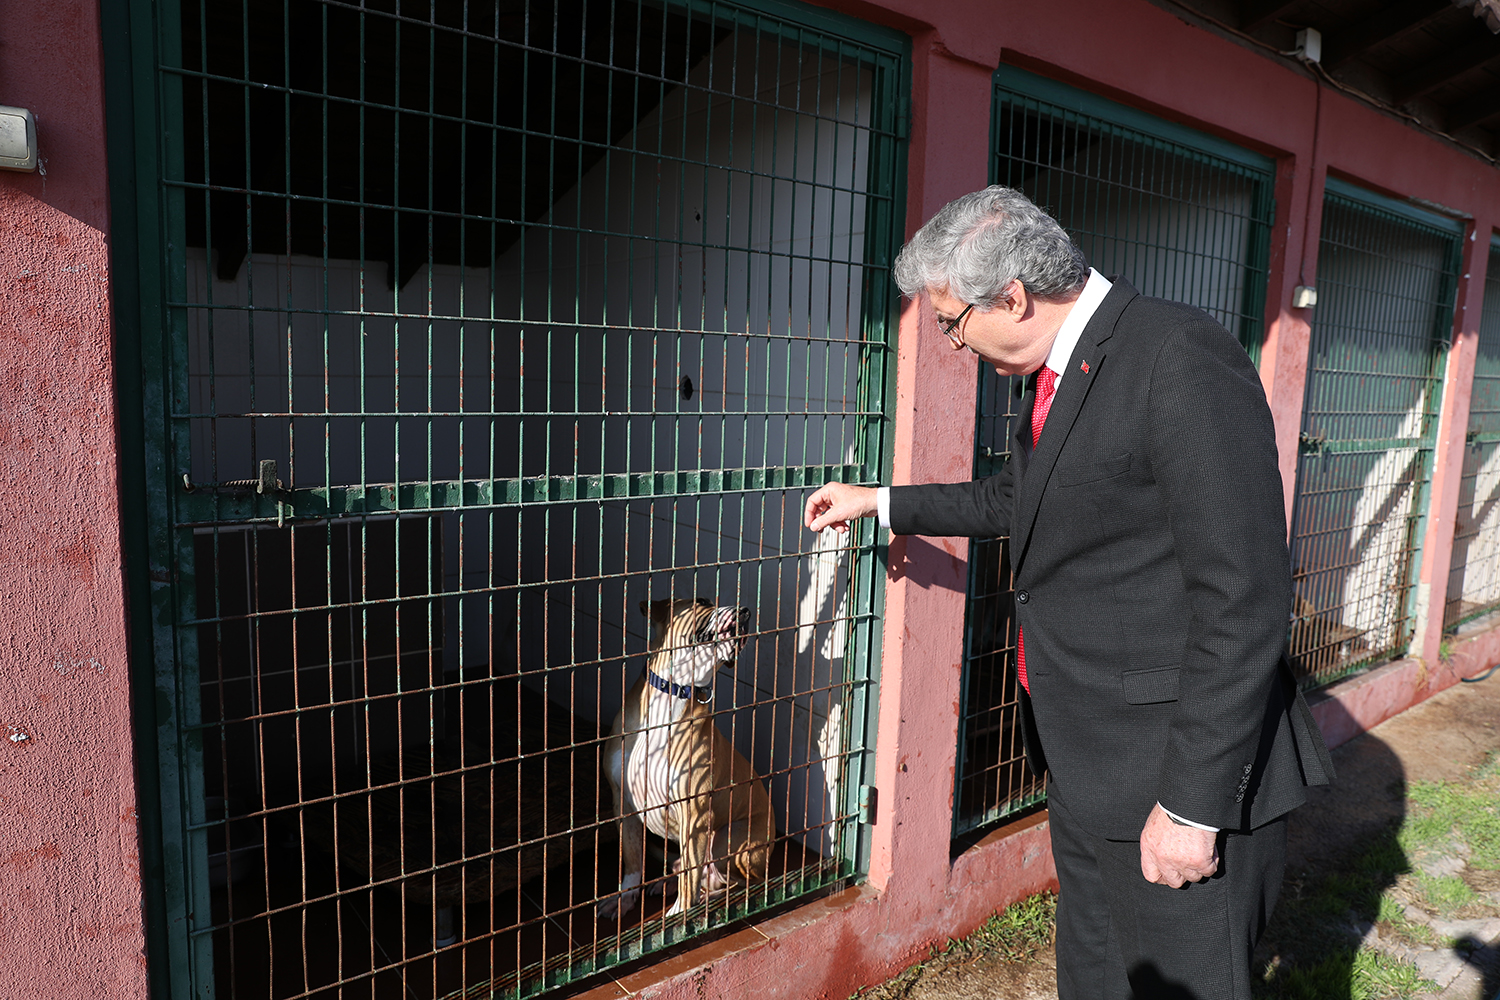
690 639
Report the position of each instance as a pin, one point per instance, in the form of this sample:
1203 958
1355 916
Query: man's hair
975 246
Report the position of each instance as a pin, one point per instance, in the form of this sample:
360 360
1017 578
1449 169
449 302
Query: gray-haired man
1148 543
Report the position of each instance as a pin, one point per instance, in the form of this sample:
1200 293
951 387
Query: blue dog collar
699 694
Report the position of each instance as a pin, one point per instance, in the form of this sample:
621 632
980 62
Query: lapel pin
1085 367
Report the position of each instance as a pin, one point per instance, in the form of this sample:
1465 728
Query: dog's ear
645 609
659 615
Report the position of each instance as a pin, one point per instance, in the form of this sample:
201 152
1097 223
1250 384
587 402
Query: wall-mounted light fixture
17 139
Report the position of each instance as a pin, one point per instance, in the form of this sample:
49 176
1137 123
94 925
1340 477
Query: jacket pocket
1147 687
1093 471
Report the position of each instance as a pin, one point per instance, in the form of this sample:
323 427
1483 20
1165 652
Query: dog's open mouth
726 624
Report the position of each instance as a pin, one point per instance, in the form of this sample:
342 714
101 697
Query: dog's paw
713 880
617 906
621 903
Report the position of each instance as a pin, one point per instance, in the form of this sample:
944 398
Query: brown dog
671 770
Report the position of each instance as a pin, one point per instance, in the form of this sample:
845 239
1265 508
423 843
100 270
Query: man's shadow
1343 853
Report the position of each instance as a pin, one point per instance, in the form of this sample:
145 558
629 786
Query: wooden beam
1483 107
1392 22
1434 73
1258 13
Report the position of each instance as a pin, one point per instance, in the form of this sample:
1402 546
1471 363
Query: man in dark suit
1148 542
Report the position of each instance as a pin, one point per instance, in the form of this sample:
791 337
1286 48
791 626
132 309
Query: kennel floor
372 944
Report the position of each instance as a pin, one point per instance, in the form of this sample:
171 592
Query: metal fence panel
1179 215
1474 574
484 326
1386 278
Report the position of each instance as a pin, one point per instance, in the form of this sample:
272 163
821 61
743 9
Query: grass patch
1015 933
1377 976
1359 975
1441 809
1446 893
1394 923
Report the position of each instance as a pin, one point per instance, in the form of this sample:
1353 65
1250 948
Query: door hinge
867 798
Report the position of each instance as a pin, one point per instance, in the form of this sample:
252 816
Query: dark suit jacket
1148 543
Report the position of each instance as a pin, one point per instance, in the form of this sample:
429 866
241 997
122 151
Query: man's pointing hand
834 505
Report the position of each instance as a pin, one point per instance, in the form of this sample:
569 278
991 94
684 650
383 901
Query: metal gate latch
264 484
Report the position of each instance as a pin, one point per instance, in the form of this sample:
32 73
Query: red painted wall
69 864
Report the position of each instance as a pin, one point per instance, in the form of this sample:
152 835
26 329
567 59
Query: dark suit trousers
1120 937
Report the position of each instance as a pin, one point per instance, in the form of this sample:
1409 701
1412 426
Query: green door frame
148 264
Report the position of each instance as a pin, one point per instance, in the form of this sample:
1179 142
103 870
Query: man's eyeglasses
951 330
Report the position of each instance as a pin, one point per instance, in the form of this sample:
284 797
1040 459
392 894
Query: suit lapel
1084 368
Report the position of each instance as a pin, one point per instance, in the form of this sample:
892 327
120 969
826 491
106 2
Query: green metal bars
467 329
1474 573
1386 280
1178 214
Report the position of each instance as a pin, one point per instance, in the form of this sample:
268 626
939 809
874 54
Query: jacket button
1022 596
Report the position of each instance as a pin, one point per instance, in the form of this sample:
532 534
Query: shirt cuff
1187 822
883 505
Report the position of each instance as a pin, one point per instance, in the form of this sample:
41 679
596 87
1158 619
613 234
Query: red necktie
1046 386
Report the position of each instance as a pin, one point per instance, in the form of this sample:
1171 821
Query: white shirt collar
1078 317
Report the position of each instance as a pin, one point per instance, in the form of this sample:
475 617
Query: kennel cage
466 328
1386 283
1474 570
1179 215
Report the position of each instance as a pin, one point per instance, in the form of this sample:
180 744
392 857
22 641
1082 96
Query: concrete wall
69 863
69 853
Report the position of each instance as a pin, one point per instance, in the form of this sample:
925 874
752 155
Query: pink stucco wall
69 865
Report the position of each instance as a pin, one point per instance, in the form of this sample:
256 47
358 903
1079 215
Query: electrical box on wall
1310 44
17 139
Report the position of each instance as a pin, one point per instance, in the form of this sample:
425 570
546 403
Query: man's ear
1014 302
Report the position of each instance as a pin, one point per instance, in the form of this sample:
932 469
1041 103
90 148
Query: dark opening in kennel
483 327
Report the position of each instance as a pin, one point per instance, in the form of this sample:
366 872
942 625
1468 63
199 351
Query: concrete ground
1443 738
